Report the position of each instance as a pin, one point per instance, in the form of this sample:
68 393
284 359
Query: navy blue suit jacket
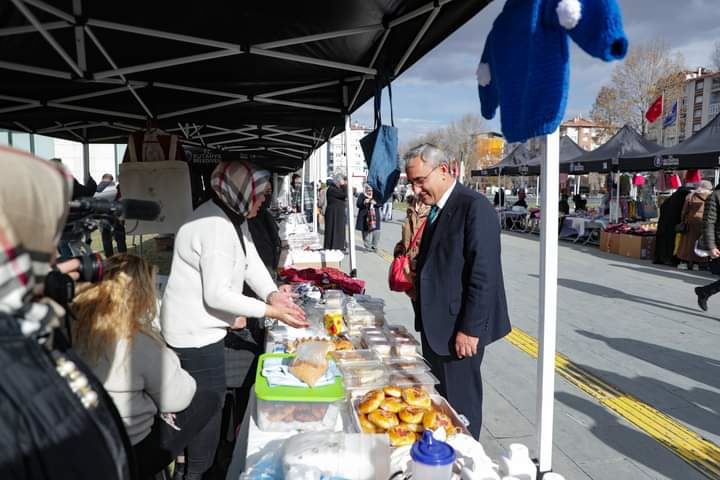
460 280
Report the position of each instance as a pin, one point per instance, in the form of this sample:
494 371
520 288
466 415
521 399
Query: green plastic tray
326 394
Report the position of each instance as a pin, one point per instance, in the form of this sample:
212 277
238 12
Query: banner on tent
577 168
666 162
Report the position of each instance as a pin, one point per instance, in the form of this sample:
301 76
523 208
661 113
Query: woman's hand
288 315
240 323
282 299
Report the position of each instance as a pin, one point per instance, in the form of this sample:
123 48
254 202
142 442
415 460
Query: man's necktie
434 210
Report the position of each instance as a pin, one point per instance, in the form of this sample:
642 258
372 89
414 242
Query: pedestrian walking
369 218
709 241
691 225
335 213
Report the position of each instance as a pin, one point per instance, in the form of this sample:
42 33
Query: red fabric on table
325 278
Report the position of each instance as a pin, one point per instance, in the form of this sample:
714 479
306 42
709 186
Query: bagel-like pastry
393 391
371 401
417 397
383 419
413 427
412 415
400 436
342 344
392 404
432 420
366 425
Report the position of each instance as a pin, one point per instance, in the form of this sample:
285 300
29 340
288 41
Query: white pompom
483 74
569 13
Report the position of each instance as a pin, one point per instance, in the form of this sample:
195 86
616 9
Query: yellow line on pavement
697 451
700 453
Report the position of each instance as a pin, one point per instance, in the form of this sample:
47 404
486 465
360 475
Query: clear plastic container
353 357
334 299
275 416
382 348
415 364
364 375
403 347
405 379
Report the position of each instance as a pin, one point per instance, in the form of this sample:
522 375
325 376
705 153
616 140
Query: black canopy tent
610 156
702 150
522 162
264 80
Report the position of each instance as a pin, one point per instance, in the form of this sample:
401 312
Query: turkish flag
655 110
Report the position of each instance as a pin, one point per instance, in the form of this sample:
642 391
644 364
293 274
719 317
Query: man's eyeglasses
420 181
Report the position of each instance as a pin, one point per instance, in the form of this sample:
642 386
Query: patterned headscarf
238 184
34 197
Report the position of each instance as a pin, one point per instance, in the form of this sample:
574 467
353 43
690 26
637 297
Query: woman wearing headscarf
214 257
692 221
56 417
368 218
335 216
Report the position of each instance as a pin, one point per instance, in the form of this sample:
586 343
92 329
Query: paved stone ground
633 324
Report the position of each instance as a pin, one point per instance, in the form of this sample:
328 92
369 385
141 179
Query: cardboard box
636 246
605 241
614 243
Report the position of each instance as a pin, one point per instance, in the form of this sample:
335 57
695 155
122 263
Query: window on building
21 141
698 99
699 85
716 83
44 147
697 113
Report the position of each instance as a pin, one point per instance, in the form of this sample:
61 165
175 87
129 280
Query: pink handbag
398 279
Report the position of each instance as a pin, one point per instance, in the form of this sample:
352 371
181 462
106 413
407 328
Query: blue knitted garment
525 68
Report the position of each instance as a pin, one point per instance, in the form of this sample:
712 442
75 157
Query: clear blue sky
442 86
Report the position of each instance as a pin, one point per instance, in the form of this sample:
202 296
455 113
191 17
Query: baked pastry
400 436
366 425
308 372
383 419
432 420
413 427
417 397
343 344
412 415
371 401
392 404
393 391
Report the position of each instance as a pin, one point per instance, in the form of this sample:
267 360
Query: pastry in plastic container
286 408
409 364
349 357
363 375
382 348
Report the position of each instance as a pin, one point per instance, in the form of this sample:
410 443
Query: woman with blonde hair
416 215
114 334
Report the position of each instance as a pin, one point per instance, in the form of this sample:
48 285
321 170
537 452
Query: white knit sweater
142 380
204 295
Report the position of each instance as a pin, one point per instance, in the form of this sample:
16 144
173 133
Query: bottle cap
429 451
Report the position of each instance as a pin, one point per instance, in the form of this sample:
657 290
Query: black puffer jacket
711 223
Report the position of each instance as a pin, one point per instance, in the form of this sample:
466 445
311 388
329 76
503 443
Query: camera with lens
89 214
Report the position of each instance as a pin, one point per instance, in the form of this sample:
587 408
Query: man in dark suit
460 303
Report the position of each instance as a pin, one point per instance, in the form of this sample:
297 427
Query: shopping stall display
368 383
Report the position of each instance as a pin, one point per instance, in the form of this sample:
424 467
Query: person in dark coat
710 241
266 235
368 218
499 200
335 216
461 304
670 216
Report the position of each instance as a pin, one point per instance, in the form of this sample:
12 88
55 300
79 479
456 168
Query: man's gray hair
340 177
428 153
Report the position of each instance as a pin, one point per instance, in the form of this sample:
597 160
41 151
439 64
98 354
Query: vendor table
252 443
582 228
513 221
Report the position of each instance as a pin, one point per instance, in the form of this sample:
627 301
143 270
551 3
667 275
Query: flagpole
662 119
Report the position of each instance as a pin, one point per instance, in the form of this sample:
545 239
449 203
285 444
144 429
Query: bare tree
457 139
648 71
715 56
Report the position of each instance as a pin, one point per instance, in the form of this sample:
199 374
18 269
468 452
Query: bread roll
400 436
392 404
417 397
371 401
412 415
383 419
393 391
432 420
366 425
413 427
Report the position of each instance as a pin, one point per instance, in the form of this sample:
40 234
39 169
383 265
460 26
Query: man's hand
285 289
715 253
465 345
